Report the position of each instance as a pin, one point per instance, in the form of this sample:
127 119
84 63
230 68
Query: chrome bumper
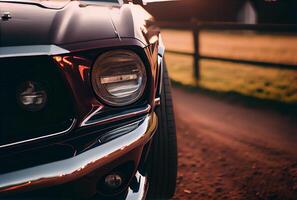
140 194
76 167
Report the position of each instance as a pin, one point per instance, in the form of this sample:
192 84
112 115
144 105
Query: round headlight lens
119 77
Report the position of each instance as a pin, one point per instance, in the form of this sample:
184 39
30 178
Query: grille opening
16 123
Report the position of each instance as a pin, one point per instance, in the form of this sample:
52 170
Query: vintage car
86 108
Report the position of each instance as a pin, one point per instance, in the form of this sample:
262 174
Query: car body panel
31 24
77 33
70 169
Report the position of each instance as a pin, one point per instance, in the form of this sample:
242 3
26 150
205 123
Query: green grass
275 48
248 80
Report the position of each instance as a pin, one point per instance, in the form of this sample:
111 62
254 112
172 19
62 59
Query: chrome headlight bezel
119 77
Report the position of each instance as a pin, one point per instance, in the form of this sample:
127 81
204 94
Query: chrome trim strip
157 101
41 137
67 170
115 118
161 66
142 188
84 122
31 50
94 3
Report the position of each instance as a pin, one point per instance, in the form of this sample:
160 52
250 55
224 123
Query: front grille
16 123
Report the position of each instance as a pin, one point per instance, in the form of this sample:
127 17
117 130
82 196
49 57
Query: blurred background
233 66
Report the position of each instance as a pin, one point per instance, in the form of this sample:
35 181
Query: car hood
56 22
42 3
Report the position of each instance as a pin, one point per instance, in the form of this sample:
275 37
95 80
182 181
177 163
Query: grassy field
251 80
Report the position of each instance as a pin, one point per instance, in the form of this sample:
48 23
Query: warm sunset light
148 99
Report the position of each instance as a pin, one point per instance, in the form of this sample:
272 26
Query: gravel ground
229 151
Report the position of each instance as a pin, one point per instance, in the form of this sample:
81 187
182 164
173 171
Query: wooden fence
197 27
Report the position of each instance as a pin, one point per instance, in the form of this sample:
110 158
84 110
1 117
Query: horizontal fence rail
288 28
262 64
197 27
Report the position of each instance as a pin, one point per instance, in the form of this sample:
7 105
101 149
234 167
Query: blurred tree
276 11
244 11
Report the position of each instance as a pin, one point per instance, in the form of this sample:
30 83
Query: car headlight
119 77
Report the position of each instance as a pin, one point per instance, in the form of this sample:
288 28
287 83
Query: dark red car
86 109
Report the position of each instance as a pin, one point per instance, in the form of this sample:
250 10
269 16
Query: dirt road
229 151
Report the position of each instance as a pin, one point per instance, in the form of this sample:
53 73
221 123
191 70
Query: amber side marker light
63 61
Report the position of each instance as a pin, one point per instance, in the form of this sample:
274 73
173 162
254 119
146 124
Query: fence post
196 53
